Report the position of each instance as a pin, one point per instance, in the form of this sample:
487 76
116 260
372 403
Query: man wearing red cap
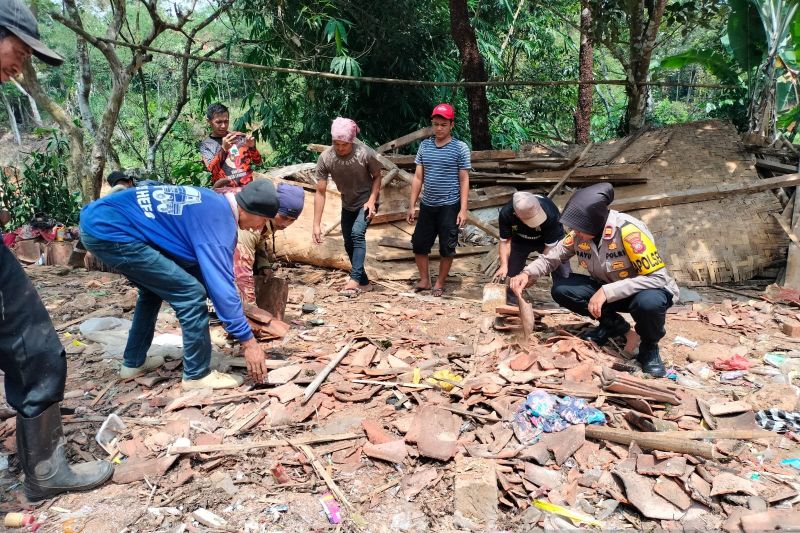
442 176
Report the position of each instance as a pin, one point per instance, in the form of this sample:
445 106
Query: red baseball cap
444 110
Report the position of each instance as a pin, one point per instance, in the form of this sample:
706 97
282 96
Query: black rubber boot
610 327
40 449
650 360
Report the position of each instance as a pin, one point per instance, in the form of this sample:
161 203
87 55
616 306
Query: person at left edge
176 244
31 355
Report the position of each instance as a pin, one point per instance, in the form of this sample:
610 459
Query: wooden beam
652 441
245 446
792 277
405 140
774 166
570 172
394 242
400 255
394 211
702 194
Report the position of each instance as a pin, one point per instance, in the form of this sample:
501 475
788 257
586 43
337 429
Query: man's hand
250 141
411 215
316 234
256 360
502 272
461 219
369 207
5 217
229 140
596 303
519 282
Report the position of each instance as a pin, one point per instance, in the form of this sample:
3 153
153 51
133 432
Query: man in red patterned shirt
228 155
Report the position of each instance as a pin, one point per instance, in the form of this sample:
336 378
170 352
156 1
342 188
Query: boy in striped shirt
443 167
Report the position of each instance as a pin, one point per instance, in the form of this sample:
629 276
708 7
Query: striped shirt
441 165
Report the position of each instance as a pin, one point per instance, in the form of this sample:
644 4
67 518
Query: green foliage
746 37
42 188
668 112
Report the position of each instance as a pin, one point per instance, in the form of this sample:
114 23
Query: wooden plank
394 242
792 276
570 172
254 445
399 255
394 211
485 226
702 194
476 156
282 172
405 140
774 166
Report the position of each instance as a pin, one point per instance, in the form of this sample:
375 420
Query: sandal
437 291
417 288
351 293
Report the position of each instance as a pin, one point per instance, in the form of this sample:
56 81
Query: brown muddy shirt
626 261
352 175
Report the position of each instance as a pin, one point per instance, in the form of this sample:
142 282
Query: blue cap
290 200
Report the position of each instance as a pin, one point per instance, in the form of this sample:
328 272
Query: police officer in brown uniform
626 273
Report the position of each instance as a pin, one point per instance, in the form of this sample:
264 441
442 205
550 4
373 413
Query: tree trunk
472 66
583 113
37 118
78 180
12 119
645 19
105 129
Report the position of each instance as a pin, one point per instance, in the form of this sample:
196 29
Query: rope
398 81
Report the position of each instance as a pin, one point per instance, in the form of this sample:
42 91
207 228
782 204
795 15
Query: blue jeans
160 278
354 231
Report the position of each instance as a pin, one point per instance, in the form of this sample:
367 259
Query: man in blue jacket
176 244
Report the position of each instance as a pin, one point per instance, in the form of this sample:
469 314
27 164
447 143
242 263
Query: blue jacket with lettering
191 224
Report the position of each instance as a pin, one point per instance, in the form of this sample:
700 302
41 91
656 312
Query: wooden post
272 294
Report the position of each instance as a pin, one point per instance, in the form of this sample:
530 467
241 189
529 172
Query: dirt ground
241 488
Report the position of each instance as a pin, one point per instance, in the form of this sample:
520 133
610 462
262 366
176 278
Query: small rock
476 490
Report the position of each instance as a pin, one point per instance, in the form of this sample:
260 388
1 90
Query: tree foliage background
678 41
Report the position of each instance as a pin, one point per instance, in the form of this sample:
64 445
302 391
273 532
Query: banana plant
759 53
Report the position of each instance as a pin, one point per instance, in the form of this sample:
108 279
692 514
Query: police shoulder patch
623 274
617 265
608 232
583 264
584 246
640 249
612 245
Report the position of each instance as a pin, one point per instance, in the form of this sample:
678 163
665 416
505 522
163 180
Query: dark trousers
160 278
648 307
31 354
354 231
436 221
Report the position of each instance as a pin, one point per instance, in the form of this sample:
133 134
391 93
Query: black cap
117 176
259 198
587 210
17 18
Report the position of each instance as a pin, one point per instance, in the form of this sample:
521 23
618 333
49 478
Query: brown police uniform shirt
626 261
